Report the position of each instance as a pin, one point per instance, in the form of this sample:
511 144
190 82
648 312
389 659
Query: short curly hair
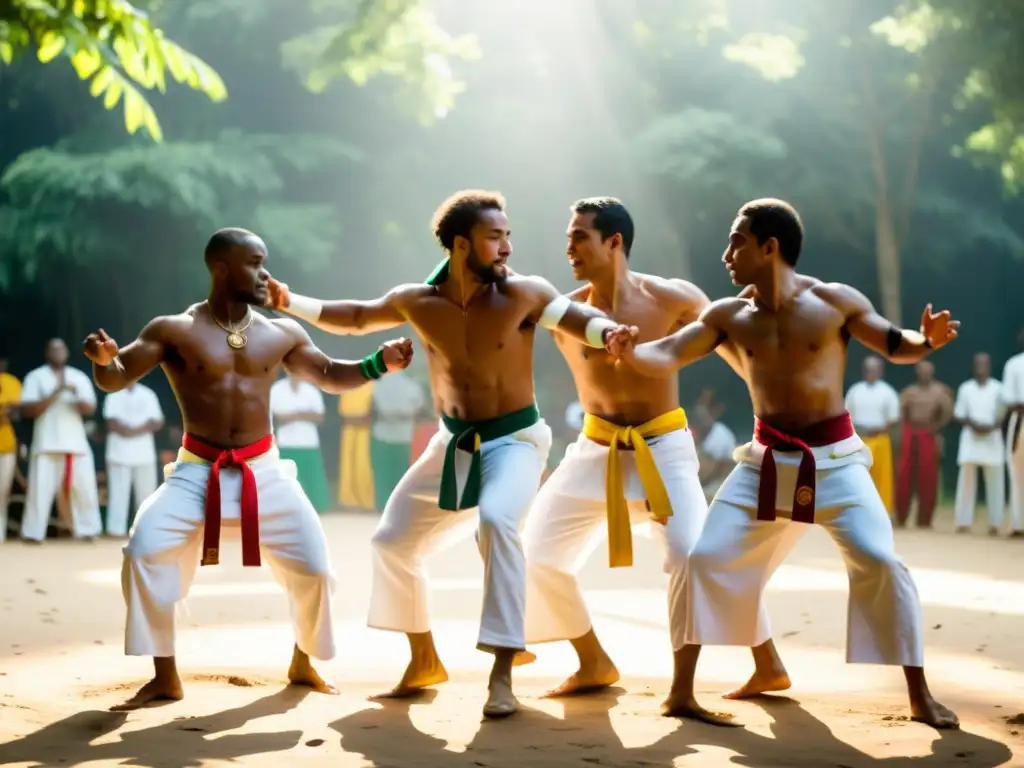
457 215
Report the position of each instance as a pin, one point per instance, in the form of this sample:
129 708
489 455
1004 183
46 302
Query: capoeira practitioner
805 463
477 320
222 359
1013 399
634 459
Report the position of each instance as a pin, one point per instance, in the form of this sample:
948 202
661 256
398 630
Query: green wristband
372 366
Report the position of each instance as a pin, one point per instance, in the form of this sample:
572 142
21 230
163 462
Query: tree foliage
110 43
61 202
983 41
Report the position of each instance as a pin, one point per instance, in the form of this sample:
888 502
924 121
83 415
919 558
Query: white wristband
305 308
554 312
596 327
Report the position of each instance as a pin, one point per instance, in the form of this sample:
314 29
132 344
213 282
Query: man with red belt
805 463
222 359
927 407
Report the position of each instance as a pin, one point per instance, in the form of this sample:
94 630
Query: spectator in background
715 448
10 395
132 415
398 401
1013 398
297 410
355 466
979 410
874 408
926 407
57 397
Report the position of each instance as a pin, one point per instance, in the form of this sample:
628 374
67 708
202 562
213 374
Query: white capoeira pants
46 481
124 481
414 527
8 464
161 557
569 520
967 494
737 554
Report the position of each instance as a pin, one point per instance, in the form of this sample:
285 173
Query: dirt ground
62 666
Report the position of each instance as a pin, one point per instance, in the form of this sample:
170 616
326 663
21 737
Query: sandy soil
61 667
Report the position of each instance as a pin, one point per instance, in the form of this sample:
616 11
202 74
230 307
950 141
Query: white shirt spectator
288 398
132 407
982 404
397 400
60 429
873 406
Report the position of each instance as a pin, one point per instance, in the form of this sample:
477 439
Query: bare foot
301 672
416 678
501 702
760 683
686 706
930 712
522 658
963 529
160 688
588 678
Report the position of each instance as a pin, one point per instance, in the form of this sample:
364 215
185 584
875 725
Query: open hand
621 340
939 329
99 348
397 354
278 295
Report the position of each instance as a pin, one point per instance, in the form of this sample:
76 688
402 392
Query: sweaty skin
224 397
792 346
478 335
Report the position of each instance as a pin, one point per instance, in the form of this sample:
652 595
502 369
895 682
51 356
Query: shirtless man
791 332
927 407
222 359
477 321
634 459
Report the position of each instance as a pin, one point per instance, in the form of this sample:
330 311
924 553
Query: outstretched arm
115 368
556 312
665 356
897 345
696 301
307 362
343 317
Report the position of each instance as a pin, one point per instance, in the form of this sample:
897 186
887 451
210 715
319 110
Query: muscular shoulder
287 325
532 289
722 312
167 327
402 295
848 300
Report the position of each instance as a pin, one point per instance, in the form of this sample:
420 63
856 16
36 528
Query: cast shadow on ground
68 742
532 738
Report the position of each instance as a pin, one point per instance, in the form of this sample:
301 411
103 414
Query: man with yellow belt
634 459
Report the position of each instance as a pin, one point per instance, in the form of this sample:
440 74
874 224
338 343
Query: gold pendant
236 340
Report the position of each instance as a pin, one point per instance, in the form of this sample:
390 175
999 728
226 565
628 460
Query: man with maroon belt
805 463
222 359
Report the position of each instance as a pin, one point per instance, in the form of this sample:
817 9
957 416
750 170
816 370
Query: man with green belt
477 320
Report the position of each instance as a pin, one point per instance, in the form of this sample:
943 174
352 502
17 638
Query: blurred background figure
10 395
133 416
926 407
874 408
57 397
297 410
398 403
355 463
979 410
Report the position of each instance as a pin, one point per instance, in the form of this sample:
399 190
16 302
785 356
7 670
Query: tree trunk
887 250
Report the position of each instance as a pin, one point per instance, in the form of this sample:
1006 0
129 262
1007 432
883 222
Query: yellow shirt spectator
10 395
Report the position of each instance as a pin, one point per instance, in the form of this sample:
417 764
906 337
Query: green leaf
6 52
50 47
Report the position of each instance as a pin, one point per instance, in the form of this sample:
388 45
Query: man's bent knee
493 523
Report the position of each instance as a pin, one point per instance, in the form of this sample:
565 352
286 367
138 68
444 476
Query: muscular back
224 394
620 394
480 357
794 358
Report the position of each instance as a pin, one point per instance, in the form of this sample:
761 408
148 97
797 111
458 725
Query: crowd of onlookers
52 428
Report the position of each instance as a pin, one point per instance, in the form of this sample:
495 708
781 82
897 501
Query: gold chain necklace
236 338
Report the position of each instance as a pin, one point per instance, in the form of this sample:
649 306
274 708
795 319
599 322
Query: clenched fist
279 295
100 348
620 341
397 354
